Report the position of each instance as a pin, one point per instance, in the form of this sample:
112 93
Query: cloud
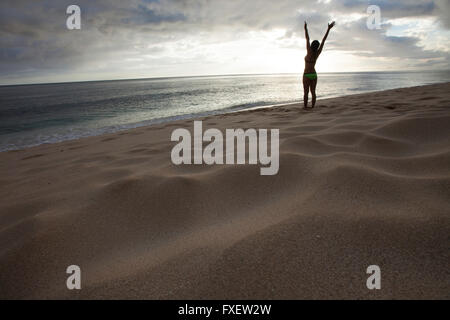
442 11
118 34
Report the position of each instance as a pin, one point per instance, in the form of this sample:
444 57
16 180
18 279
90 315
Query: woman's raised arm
330 25
308 46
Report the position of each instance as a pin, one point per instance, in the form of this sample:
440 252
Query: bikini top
310 61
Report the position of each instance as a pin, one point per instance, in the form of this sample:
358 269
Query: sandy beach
363 180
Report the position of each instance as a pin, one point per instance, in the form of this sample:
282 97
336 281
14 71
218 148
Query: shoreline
192 117
363 180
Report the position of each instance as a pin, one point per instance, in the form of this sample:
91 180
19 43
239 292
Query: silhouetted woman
309 75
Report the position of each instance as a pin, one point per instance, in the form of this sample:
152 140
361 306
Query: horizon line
212 75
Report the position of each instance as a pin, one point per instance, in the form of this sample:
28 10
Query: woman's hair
315 45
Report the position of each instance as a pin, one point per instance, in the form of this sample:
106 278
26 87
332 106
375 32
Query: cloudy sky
159 38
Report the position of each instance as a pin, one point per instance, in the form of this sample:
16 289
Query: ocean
47 113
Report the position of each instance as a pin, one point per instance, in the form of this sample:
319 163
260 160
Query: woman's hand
331 25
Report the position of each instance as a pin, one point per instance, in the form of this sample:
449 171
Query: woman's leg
313 91
306 84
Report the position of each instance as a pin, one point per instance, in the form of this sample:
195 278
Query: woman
309 75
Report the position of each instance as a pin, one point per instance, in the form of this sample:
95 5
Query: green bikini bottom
311 76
